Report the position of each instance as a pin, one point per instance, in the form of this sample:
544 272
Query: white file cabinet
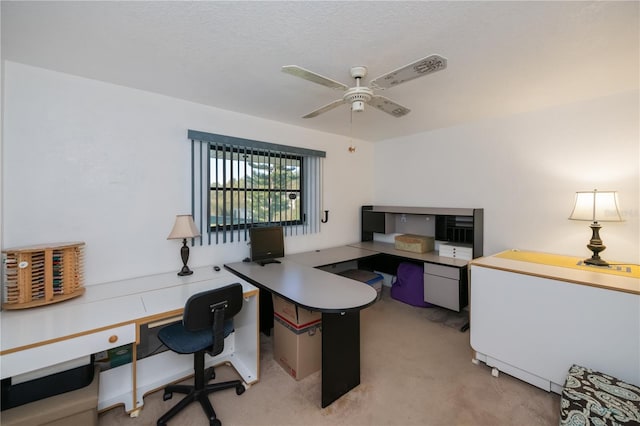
458 251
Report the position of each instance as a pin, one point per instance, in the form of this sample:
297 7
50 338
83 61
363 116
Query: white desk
110 315
339 300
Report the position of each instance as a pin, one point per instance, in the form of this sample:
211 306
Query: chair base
200 394
205 324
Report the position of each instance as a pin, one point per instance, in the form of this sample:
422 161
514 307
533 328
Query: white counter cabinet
534 319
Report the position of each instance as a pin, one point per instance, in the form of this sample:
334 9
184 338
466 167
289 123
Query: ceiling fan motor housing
357 97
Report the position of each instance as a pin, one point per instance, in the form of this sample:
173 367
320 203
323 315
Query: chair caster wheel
167 396
240 390
215 422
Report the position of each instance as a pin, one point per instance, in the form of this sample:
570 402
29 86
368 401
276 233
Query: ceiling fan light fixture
358 96
357 106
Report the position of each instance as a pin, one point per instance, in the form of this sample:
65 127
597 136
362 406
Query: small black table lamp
184 228
596 206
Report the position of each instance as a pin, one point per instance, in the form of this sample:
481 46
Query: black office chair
206 321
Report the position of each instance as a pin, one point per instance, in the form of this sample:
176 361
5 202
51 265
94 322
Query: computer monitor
267 243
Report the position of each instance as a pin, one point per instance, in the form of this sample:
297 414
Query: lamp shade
596 206
183 228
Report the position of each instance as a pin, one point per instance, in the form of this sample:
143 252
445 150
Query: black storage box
44 387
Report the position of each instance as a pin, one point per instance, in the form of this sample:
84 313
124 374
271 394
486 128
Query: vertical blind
239 183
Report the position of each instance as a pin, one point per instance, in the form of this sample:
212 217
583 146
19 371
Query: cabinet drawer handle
113 338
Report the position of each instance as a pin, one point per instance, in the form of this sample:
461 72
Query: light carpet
414 371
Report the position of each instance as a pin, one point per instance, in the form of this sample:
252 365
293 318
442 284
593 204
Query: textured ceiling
503 57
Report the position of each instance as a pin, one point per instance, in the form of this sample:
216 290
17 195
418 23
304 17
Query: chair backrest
199 309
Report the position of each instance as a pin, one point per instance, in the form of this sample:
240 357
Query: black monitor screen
266 243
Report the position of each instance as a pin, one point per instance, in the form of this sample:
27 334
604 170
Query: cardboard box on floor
297 338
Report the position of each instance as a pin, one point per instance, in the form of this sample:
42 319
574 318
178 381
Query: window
251 187
239 183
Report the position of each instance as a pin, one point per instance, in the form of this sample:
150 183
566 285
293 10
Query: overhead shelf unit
456 231
42 274
452 225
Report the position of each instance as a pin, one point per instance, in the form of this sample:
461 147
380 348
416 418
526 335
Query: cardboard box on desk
414 243
297 338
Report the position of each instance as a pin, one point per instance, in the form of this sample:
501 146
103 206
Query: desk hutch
445 278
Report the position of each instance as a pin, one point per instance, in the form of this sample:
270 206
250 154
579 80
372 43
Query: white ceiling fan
358 95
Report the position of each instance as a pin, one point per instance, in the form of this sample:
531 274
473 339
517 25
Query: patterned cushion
593 398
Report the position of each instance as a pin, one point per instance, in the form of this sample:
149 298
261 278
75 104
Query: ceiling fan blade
325 108
416 69
388 106
313 77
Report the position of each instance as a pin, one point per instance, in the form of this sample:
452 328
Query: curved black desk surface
339 300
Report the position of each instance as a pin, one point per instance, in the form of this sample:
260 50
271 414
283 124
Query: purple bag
409 285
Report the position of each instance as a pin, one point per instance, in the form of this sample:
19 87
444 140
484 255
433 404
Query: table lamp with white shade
184 228
596 206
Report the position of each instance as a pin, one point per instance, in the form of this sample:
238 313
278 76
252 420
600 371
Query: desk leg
340 355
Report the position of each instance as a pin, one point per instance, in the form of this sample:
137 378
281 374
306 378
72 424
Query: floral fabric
593 398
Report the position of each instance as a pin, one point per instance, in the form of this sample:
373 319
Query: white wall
100 163
524 171
95 162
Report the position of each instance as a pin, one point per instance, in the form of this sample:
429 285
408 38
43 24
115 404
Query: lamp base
185 271
596 246
184 254
596 261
